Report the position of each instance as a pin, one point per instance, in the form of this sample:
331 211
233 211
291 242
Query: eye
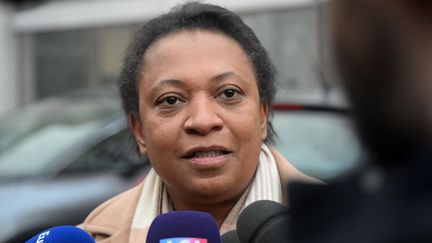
229 93
168 101
171 100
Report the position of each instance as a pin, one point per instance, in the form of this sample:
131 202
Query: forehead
184 37
193 53
193 43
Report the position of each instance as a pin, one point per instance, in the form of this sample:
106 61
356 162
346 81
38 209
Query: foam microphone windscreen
264 221
230 237
62 234
184 226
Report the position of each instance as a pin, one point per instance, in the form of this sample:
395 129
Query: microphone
184 227
62 234
264 221
230 237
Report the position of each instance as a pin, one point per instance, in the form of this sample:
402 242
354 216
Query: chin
211 188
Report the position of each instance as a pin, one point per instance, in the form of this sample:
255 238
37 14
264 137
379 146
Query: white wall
8 83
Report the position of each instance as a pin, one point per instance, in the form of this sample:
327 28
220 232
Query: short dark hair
193 16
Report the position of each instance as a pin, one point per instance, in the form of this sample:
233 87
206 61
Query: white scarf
154 200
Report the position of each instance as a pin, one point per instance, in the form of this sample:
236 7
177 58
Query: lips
206 152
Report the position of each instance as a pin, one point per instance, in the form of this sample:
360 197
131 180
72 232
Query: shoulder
289 173
114 215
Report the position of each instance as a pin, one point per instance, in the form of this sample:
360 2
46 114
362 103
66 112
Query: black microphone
62 234
230 237
264 221
184 227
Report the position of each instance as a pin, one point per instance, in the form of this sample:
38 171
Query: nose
203 117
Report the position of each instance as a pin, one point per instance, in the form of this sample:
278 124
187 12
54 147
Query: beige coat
111 221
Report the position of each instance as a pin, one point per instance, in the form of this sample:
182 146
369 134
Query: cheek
160 136
247 128
161 141
249 140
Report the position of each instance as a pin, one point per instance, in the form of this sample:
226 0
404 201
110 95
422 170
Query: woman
197 87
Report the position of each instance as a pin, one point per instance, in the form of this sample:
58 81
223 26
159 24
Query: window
115 153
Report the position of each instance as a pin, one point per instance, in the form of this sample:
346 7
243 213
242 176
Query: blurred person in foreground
197 87
384 54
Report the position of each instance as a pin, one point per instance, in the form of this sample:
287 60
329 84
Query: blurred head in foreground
384 52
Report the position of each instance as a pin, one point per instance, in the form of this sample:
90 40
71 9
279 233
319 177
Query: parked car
319 140
60 158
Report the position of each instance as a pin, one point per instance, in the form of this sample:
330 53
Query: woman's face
201 120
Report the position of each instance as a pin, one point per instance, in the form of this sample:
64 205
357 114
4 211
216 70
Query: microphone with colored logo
62 234
264 221
184 227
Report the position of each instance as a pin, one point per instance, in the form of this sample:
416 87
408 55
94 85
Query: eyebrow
169 82
166 82
179 83
226 75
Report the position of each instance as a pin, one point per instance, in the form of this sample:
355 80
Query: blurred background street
64 146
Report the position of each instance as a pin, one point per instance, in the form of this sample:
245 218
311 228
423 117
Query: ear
136 126
264 112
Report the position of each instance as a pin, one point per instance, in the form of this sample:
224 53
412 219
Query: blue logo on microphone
41 237
183 240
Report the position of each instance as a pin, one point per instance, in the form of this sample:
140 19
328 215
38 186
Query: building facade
51 47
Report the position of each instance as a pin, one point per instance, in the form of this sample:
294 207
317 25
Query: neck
219 210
